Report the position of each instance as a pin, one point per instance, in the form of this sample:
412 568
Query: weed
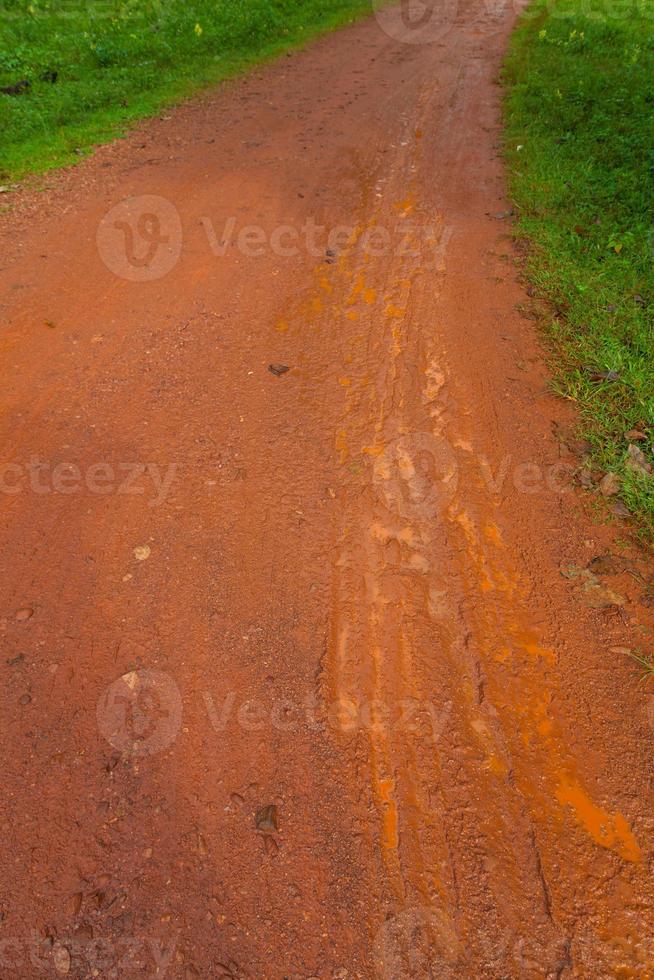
580 138
95 66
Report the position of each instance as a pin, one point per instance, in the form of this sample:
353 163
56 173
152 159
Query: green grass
580 145
645 664
117 61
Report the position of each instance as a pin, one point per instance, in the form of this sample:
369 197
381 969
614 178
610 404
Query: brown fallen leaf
635 435
596 375
18 88
585 478
638 461
609 485
604 565
266 818
75 903
595 593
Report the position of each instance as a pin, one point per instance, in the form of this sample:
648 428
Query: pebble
61 959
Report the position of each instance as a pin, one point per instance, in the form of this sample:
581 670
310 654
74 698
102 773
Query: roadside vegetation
74 73
580 145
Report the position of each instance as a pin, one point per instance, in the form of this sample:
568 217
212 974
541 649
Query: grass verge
579 112
77 72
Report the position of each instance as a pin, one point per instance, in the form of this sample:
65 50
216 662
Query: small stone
278 369
61 959
131 679
142 552
26 699
24 614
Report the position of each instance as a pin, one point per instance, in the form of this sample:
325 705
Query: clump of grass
93 66
580 145
646 665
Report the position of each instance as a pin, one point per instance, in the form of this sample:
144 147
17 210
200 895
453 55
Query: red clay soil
318 672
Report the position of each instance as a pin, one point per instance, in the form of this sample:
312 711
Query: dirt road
316 672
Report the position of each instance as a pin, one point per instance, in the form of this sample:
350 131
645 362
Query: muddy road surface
314 664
